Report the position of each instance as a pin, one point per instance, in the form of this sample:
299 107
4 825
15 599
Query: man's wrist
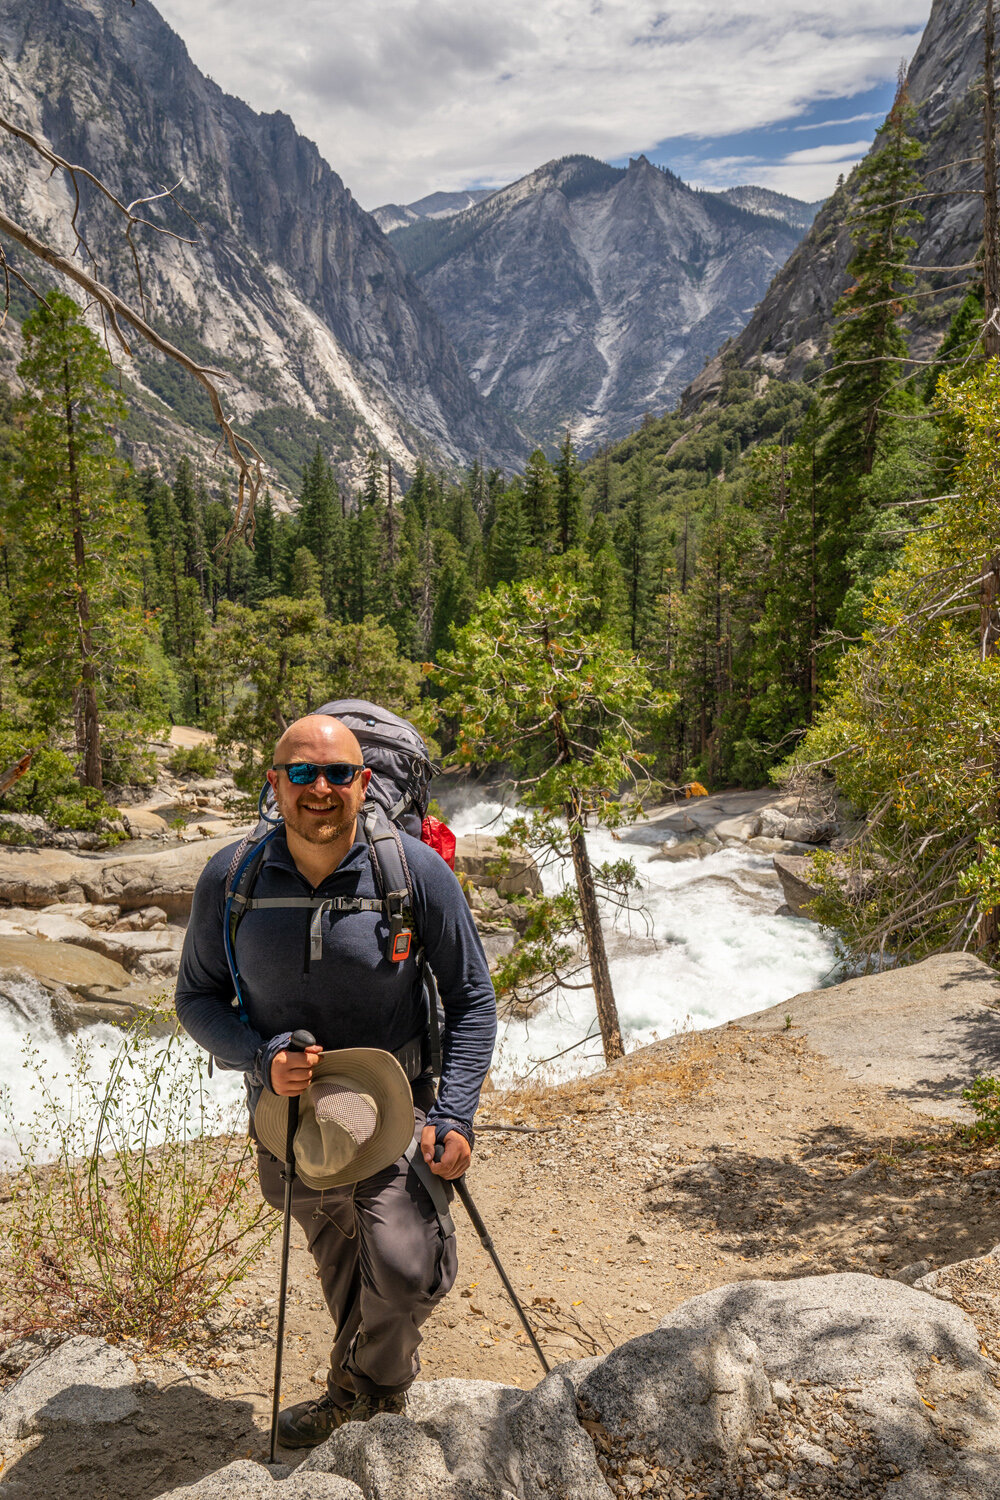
443 1127
265 1057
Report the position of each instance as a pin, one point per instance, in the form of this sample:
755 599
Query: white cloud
836 124
406 96
808 174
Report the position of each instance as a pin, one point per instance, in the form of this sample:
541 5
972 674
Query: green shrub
194 760
50 786
984 1096
145 1217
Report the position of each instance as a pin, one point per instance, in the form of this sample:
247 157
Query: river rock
166 879
40 877
245 1480
149 955
696 848
795 871
476 852
144 824
736 829
769 823
78 969
815 829
82 1383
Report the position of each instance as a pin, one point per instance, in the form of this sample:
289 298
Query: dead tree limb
116 310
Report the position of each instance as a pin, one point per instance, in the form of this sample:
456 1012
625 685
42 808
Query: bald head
319 738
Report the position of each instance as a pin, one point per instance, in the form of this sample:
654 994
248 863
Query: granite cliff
586 295
791 325
290 287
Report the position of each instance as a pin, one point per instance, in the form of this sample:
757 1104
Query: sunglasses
304 773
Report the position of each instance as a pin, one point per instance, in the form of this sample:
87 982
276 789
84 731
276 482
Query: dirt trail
706 1159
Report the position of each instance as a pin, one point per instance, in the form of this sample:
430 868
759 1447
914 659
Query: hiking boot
310 1422
365 1406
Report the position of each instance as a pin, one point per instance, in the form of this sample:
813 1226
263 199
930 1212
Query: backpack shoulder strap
393 879
241 877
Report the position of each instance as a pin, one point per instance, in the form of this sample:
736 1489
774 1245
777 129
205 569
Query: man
383 1258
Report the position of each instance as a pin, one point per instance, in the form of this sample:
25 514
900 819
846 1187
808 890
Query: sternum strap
317 905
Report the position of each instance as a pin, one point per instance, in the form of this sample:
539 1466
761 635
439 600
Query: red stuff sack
440 837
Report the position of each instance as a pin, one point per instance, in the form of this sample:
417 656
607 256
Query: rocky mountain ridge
791 325
586 295
290 287
391 216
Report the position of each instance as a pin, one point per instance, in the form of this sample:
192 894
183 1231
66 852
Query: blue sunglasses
304 773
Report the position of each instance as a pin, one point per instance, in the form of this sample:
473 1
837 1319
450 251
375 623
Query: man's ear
272 777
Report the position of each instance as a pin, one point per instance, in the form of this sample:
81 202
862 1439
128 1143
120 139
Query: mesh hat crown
355 1118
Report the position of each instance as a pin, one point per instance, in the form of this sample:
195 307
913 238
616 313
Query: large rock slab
470 1440
78 969
164 878
868 1380
245 1480
476 852
693 1386
920 1032
82 1383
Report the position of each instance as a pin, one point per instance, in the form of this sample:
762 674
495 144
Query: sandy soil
704 1160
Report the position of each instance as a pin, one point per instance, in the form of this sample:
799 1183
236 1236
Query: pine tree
82 634
321 526
509 537
569 496
540 504
636 545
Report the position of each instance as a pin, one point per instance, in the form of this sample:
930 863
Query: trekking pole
486 1240
299 1042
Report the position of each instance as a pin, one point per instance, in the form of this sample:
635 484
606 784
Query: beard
328 827
322 830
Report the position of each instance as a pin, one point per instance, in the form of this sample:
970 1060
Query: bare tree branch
115 309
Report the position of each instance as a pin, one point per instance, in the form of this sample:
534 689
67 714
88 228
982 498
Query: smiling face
321 813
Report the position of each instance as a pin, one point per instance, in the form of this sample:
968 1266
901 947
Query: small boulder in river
477 853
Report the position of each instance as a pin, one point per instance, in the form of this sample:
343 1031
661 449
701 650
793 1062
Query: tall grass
124 1214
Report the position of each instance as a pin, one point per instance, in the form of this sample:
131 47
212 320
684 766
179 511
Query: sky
408 97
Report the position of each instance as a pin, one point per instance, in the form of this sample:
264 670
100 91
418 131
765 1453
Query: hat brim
375 1073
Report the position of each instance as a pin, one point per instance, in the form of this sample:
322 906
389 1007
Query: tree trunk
90 748
989 637
607 1010
991 250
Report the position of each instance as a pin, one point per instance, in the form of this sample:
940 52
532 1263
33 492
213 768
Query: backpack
398 794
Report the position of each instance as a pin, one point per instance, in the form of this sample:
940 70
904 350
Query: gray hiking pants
384 1264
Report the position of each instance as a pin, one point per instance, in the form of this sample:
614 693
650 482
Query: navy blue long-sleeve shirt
354 996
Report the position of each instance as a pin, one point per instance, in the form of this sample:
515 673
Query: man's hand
291 1072
457 1153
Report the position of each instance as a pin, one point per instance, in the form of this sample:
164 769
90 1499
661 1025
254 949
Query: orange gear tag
401 945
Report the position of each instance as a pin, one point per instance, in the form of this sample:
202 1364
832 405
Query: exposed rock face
792 323
827 1386
81 1383
291 287
922 1031
587 295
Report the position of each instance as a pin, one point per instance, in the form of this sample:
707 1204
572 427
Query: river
703 945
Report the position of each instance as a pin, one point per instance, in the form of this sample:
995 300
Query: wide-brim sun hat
355 1118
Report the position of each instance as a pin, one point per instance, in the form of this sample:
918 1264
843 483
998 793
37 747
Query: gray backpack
398 794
